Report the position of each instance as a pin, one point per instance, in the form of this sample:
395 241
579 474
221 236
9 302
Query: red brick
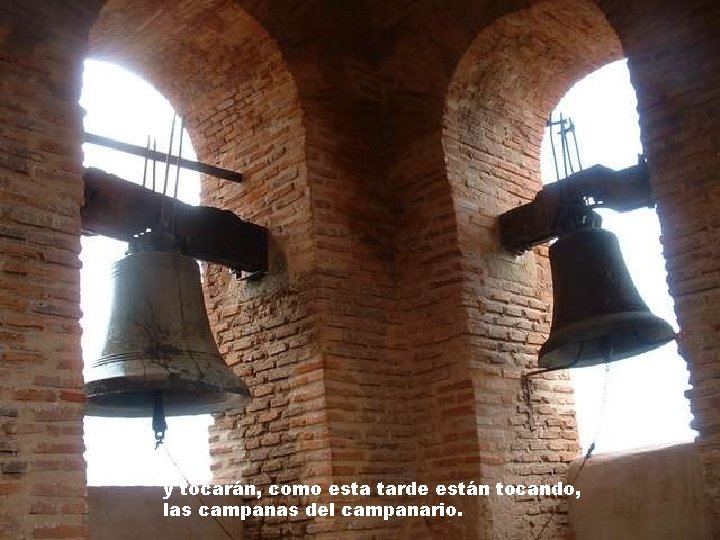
387 339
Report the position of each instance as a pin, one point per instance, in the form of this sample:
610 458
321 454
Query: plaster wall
655 494
118 513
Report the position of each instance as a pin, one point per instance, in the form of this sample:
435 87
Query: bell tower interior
371 150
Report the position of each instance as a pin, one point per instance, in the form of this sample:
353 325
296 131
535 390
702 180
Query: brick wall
379 141
673 60
503 91
42 471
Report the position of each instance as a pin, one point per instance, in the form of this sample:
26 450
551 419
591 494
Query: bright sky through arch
122 106
645 405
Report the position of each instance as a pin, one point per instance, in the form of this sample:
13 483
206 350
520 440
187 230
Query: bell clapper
159 425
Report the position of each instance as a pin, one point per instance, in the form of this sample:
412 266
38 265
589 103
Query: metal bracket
541 219
122 210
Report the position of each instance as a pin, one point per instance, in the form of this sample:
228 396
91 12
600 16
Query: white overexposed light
120 451
645 403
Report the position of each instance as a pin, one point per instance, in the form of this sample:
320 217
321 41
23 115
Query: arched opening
464 360
644 403
227 78
119 105
501 94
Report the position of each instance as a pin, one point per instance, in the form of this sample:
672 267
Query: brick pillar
674 59
502 92
42 471
226 75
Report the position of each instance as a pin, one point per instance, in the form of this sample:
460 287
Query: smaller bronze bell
598 315
159 350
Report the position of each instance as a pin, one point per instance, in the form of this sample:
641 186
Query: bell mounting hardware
160 356
598 315
557 207
122 210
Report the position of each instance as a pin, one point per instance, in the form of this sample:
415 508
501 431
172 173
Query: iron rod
179 157
136 150
577 148
172 218
552 146
563 144
154 162
147 149
169 153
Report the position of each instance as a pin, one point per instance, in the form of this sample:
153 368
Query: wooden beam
538 221
120 209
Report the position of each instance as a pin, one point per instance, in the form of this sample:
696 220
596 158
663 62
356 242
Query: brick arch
502 91
441 367
231 83
226 75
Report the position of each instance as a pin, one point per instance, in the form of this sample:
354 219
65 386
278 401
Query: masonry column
674 56
42 471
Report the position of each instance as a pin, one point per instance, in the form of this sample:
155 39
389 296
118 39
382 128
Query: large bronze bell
159 344
598 315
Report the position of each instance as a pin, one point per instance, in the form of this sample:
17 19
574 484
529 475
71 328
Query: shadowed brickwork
380 141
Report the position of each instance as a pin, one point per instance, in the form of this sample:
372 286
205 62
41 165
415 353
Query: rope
199 498
598 432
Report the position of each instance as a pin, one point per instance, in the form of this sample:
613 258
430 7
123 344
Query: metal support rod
179 157
577 148
136 150
563 143
167 157
550 124
147 149
567 157
570 129
171 220
167 204
154 162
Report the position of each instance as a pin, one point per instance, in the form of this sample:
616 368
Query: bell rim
134 399
549 354
159 340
